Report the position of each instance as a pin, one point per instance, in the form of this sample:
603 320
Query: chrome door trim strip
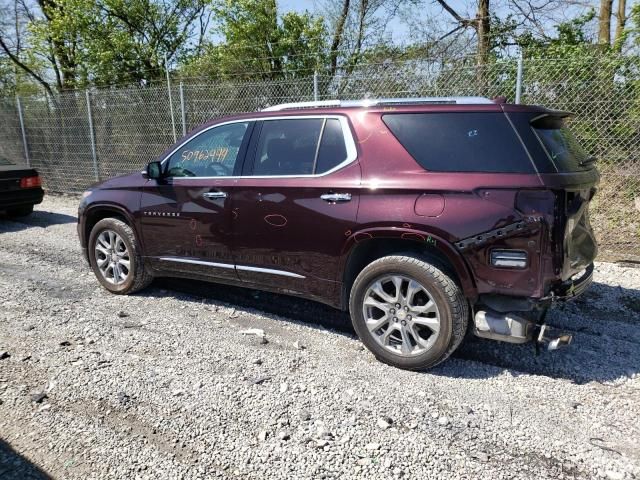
230 265
269 270
198 262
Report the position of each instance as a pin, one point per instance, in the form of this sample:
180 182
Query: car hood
132 180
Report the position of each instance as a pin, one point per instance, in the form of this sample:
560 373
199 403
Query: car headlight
83 200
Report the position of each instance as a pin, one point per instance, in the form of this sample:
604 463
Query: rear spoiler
550 117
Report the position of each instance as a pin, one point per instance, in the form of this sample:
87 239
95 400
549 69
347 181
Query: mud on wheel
408 312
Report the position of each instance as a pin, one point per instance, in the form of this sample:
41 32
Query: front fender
95 208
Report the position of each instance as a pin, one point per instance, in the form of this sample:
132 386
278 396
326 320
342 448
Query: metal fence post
184 112
24 133
315 85
519 80
92 137
173 121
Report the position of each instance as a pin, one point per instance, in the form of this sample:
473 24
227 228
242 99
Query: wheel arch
96 212
368 245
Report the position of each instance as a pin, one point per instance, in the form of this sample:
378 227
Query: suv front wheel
408 312
115 257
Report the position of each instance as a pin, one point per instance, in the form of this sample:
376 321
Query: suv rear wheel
115 257
408 312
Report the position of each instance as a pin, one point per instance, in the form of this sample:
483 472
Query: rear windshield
460 141
561 145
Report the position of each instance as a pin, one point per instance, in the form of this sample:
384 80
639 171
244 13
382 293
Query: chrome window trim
350 144
247 268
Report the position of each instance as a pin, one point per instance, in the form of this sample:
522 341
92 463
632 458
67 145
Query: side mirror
154 170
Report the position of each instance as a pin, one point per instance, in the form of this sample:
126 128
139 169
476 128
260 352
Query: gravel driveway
165 384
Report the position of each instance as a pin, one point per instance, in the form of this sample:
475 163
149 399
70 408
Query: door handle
212 195
336 197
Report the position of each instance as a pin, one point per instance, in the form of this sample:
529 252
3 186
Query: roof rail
380 101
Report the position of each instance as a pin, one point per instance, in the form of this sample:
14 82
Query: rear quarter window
561 146
460 141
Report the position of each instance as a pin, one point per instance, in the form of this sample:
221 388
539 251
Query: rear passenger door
295 203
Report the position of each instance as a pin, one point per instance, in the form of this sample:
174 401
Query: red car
423 217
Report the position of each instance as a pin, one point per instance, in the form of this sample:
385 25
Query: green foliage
7 78
635 20
572 41
105 42
258 43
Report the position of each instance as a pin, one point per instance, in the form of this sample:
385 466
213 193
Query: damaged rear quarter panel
468 210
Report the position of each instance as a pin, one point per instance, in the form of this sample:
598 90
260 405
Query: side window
287 147
211 154
332 151
460 141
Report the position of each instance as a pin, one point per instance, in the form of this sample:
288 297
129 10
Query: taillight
30 182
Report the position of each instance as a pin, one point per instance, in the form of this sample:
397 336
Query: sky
398 29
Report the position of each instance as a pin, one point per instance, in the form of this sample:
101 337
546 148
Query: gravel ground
164 384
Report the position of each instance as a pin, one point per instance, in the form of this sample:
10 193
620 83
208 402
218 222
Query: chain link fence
78 138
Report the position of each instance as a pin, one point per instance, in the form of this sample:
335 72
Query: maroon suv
420 216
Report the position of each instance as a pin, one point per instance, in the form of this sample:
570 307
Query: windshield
561 145
4 161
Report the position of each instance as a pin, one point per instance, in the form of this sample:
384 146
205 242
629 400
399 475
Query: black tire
21 211
445 293
138 277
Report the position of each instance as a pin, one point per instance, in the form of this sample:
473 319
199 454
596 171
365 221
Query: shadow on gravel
296 309
605 323
38 218
14 466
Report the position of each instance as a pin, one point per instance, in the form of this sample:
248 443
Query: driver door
186 216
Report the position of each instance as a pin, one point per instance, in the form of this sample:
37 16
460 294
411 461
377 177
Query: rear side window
332 151
299 146
287 147
460 141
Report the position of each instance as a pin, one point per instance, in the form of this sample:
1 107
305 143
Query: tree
338 33
621 21
604 22
259 43
481 24
72 43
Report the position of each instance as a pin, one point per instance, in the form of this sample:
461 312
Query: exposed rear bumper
499 317
573 287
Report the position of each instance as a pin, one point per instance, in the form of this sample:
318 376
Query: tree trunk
622 20
337 35
483 29
604 24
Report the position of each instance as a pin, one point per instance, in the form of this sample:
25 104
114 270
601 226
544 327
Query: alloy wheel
401 315
112 257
